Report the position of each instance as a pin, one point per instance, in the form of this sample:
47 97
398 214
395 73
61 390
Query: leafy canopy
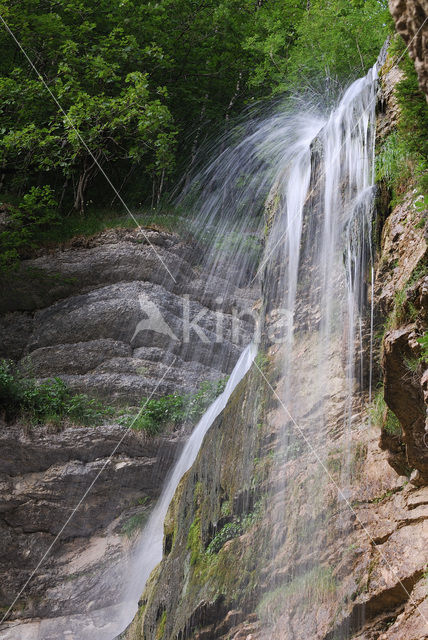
142 85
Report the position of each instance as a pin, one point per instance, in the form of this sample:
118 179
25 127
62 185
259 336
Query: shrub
50 401
174 409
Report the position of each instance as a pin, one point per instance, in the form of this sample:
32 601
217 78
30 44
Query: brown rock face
78 312
411 23
404 395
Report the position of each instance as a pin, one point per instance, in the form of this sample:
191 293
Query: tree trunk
89 171
160 187
196 140
234 97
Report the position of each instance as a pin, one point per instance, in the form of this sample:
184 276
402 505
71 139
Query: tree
109 114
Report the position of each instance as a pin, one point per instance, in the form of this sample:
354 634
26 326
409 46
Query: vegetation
423 341
404 154
125 89
234 529
135 523
382 415
174 409
50 402
229 531
161 628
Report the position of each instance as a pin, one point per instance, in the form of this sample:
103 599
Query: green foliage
400 311
234 529
113 113
303 44
36 212
134 524
174 409
382 415
47 402
229 531
392 161
143 84
404 154
423 341
403 309
262 361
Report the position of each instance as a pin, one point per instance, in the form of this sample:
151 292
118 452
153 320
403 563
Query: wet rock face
112 315
366 546
410 22
401 304
80 313
43 475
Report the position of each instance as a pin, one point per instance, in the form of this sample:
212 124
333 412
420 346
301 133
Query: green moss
161 627
194 541
382 415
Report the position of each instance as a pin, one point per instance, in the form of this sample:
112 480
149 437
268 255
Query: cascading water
315 175
322 281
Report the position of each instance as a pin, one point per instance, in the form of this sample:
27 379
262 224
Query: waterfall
319 268
313 176
306 177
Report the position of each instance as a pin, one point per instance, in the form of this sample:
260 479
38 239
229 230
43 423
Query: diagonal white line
67 117
45 555
339 490
322 174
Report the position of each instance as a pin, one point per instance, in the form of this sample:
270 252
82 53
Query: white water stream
149 549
